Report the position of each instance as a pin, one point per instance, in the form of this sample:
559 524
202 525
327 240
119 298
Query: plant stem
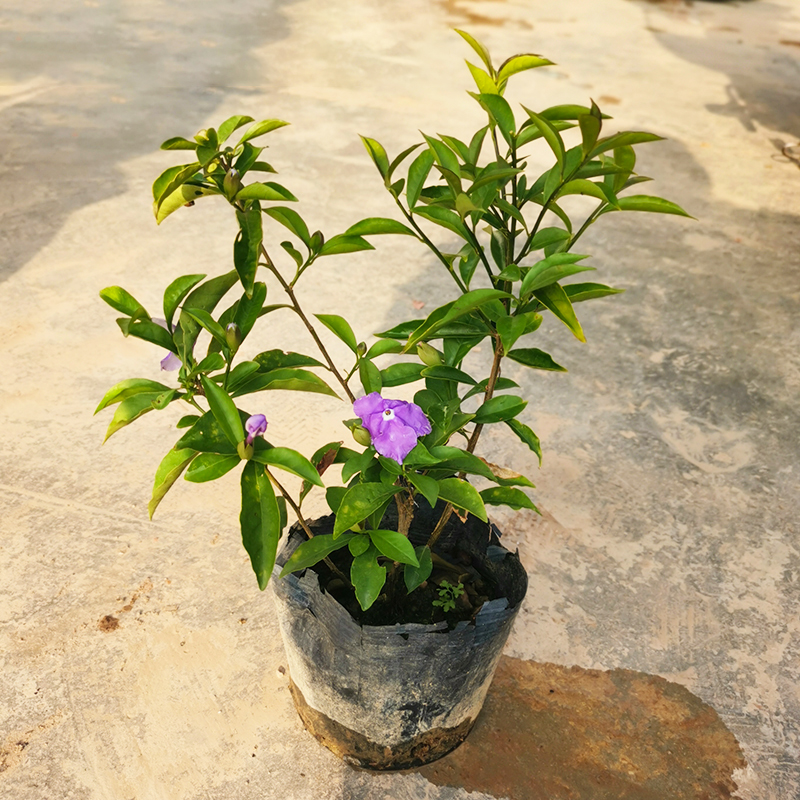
299 311
495 374
304 525
437 531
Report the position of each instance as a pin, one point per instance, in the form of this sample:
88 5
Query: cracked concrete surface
137 659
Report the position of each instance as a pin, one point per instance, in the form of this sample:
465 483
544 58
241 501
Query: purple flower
255 426
170 362
394 425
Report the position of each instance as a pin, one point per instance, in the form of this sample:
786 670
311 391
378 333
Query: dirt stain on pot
549 732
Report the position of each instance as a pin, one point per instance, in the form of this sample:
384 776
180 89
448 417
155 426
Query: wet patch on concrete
549 732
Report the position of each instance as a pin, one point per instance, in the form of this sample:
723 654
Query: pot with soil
401 684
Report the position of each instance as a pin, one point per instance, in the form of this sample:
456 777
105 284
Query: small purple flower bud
394 425
256 425
170 362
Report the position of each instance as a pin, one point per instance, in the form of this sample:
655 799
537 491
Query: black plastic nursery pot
389 697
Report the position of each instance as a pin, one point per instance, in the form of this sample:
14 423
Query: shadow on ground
549 732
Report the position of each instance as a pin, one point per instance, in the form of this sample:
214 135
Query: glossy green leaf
642 202
247 246
260 128
128 388
314 550
206 436
427 487
224 410
359 502
370 376
334 496
500 111
483 80
176 292
401 373
187 420
416 576
368 577
358 544
444 156
507 496
550 270
153 333
169 470
290 379
344 244
500 408
240 374
535 358
178 143
340 327
525 61
555 299
207 322
205 297
462 495
417 173
249 308
265 191
230 125
184 195
394 545
624 138
129 410
547 236
170 180
377 154
443 217
478 48
165 398
578 292
527 436
445 373
382 347
210 466
122 301
590 125
290 460
551 135
291 220
373 226
260 520
278 359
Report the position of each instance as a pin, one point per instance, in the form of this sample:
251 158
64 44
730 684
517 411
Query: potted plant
395 607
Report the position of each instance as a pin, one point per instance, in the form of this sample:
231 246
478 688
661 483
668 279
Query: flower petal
393 439
413 416
370 404
170 362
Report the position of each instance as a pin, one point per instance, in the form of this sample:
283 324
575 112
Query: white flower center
388 414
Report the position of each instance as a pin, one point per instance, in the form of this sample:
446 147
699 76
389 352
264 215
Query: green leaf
290 460
359 544
178 143
382 347
555 299
567 112
260 128
444 156
265 191
249 308
643 202
340 327
478 48
295 380
394 545
260 521
443 217
129 388
511 66
417 173
205 297
206 321
186 421
206 436
584 187
500 111
590 125
170 180
498 409
344 244
621 139
372 226
183 196
533 357
370 376
153 333
506 496
527 436
368 577
247 246
247 158
544 237
401 373
483 80
427 487
240 374
169 470
577 292
416 576
210 466
129 410
224 411
448 374
378 155
334 496
550 270
462 495
278 359
122 301
291 220
314 550
551 136
359 502
175 293
510 329
230 125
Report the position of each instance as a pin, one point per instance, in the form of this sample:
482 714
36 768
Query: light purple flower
170 362
255 426
394 425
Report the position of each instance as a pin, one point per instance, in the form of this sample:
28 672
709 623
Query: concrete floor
670 479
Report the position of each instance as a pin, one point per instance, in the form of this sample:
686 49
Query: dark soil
465 553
